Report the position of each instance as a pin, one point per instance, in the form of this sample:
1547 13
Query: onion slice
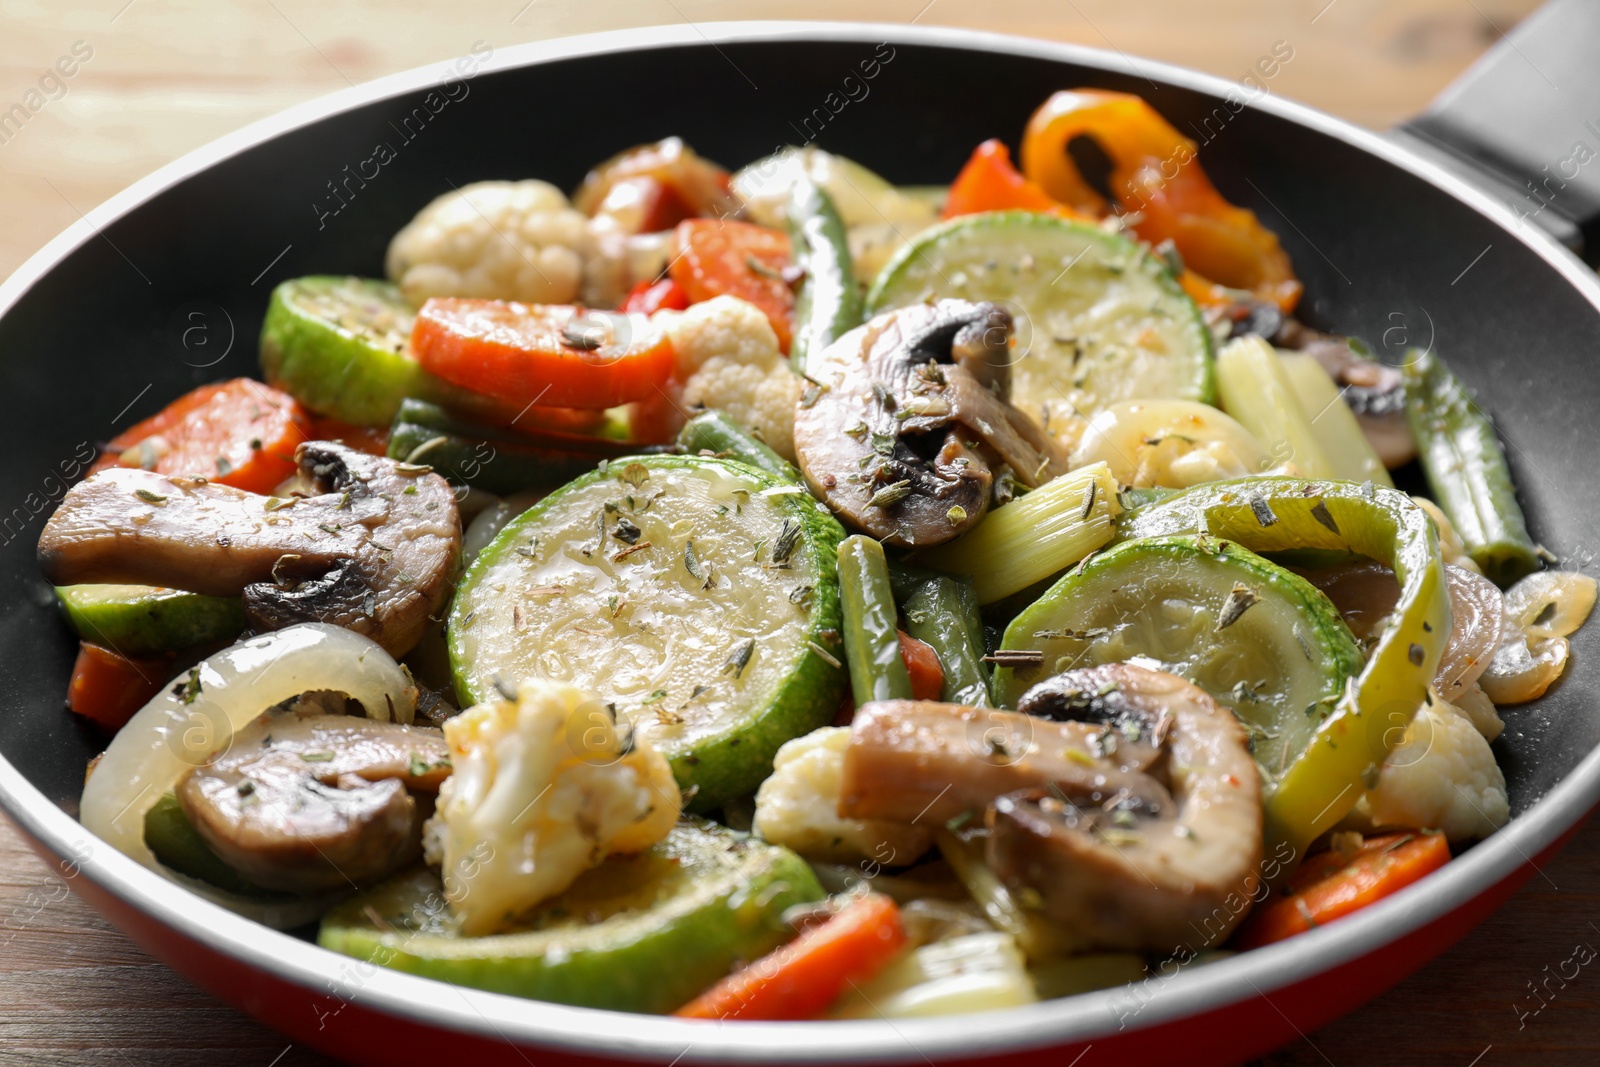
189 723
1478 610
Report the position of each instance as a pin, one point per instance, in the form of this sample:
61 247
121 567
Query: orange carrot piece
1330 885
544 354
922 663
990 182
373 440
717 257
108 687
240 433
799 980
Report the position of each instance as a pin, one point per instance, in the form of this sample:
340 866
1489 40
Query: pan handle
1524 123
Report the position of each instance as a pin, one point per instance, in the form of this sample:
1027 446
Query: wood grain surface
166 76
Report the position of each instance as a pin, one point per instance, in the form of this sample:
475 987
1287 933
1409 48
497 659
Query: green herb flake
739 659
890 494
150 497
1240 599
788 538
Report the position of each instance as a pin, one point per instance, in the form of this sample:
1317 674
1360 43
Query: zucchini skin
712 431
338 372
943 611
149 621
828 302
493 459
1466 469
871 636
729 912
735 762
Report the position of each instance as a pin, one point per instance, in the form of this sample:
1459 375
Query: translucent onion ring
187 724
1479 613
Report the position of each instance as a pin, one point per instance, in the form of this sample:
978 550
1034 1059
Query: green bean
871 638
943 611
715 432
495 459
828 302
1466 469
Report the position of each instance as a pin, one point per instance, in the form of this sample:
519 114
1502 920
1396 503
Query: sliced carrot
720 257
373 440
1331 884
649 297
803 977
546 354
990 182
108 687
240 433
922 663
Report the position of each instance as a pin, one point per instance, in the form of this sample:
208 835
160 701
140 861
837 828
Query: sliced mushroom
925 762
308 802
912 420
1125 875
373 551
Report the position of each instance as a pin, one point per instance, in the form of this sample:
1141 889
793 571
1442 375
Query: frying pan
98 329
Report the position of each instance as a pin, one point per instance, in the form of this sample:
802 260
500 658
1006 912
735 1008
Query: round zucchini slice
697 596
1261 640
1099 317
341 346
143 620
642 933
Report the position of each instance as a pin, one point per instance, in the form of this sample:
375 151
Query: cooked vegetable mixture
783 595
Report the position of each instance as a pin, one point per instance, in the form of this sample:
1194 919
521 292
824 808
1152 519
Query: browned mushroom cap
1125 875
307 802
373 551
923 761
911 418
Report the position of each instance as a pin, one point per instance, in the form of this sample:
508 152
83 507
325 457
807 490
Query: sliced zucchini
697 595
1099 318
144 620
1258 638
638 933
342 347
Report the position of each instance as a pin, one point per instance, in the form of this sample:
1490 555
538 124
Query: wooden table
166 76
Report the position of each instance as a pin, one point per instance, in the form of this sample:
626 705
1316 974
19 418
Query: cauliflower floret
544 787
496 241
728 358
798 807
1441 776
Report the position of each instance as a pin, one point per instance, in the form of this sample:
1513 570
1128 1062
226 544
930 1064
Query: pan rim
1085 1018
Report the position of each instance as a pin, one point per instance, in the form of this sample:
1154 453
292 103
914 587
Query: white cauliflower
495 241
728 358
1442 776
543 788
798 807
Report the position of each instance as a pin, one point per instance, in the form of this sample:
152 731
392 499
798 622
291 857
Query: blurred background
165 76
153 79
